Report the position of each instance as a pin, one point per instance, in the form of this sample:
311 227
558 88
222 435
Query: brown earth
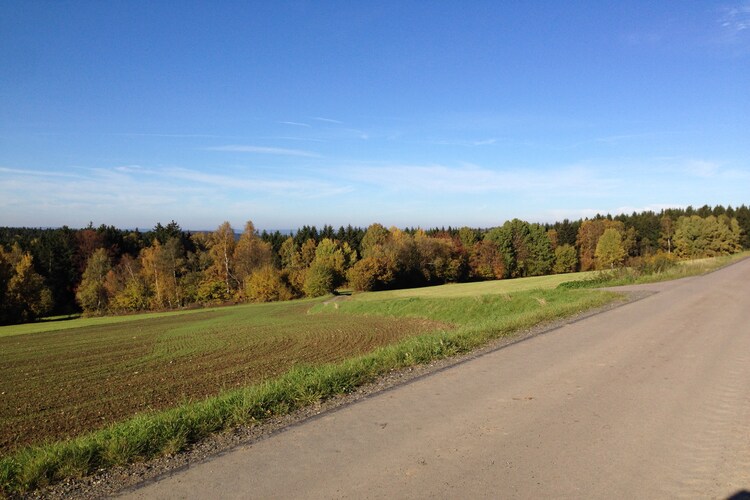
63 383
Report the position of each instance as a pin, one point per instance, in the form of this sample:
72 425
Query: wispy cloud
734 29
701 168
253 183
130 195
473 179
289 138
484 142
297 124
471 144
736 19
327 120
36 173
176 136
611 140
236 148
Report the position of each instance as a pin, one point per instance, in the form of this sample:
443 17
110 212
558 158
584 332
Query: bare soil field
61 383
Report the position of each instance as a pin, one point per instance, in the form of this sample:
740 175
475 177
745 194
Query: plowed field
60 383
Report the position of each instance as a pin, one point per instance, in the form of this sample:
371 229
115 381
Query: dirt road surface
649 400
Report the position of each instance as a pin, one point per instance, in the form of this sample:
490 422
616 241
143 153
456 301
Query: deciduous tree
266 284
251 253
376 235
566 259
25 297
92 294
486 262
221 249
609 249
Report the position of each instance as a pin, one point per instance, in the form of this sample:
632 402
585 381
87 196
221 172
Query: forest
106 270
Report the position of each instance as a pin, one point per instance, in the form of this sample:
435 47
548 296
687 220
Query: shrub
212 291
657 263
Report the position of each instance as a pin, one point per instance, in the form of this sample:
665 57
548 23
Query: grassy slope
479 288
687 268
627 276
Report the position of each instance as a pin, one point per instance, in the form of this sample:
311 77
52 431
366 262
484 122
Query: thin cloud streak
297 124
130 195
238 148
469 144
39 173
296 187
177 136
288 138
472 179
327 120
736 19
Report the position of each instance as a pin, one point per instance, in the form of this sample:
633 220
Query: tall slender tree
92 294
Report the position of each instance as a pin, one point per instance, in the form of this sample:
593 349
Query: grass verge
632 276
478 320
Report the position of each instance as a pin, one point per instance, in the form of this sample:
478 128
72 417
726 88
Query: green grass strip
479 320
632 276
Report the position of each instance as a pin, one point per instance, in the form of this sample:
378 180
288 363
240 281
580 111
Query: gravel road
648 400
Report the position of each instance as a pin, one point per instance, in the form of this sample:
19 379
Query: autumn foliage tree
486 262
221 250
92 294
709 236
609 249
250 253
266 284
126 287
107 270
23 295
588 238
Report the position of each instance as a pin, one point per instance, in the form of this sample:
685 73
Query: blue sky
405 113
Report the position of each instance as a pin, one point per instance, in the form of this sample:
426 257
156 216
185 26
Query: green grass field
454 290
629 276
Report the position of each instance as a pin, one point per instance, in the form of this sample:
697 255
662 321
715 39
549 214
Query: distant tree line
108 270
